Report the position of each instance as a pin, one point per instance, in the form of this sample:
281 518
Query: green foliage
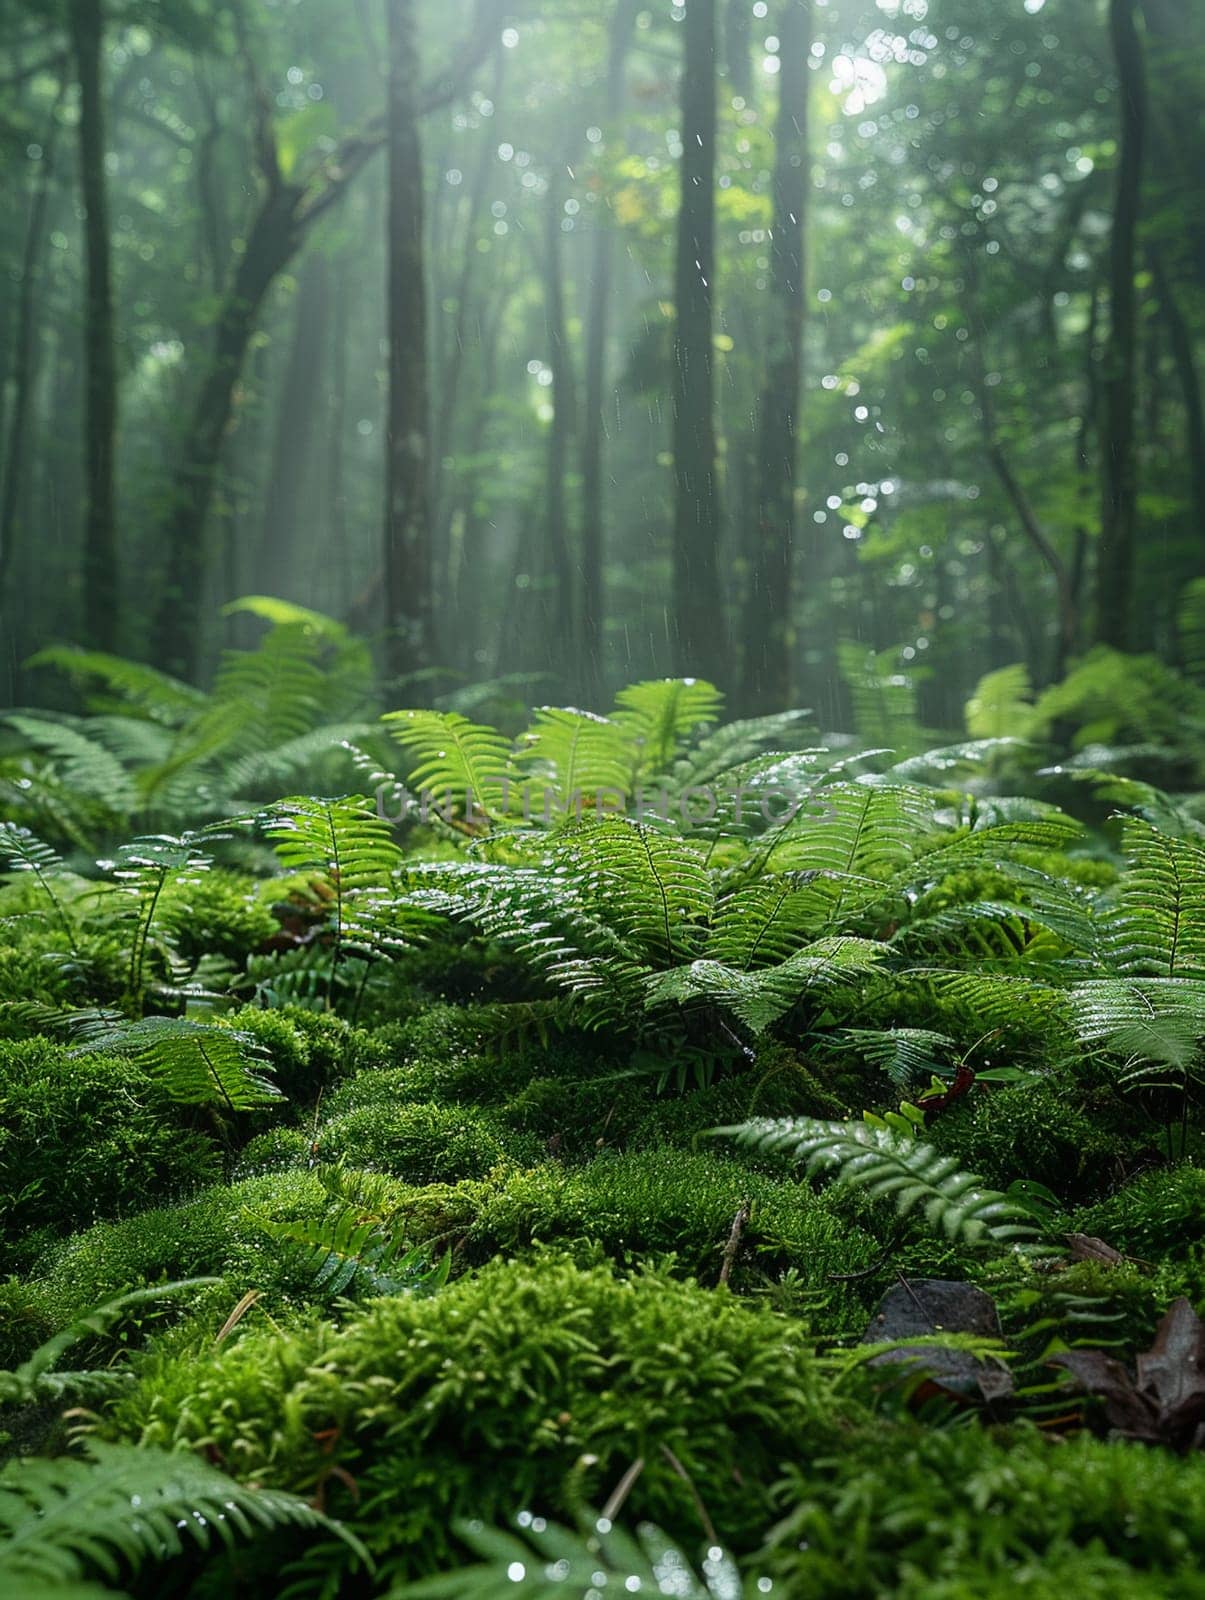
963 1513
38 1379
309 1051
679 1203
419 1142
118 1507
194 1063
356 1249
88 1135
539 1365
1002 704
884 1162
551 1560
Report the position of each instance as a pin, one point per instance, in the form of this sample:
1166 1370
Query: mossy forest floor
414 1130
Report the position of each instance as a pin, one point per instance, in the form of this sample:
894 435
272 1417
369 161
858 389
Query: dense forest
602 799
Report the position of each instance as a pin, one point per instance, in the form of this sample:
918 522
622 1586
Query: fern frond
344 1254
165 699
1158 927
854 830
766 922
21 851
577 753
653 887
37 1380
196 1063
1159 1020
659 717
882 697
1002 704
82 761
343 841
759 999
720 753
123 1505
547 1559
463 764
888 1164
907 1055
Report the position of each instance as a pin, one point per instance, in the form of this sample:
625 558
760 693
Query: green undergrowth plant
558 1370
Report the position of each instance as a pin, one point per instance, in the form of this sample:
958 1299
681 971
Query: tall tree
99 565
697 622
407 545
598 307
286 211
26 344
1115 570
768 627
558 618
292 454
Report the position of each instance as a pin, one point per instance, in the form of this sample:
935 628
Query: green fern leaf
122 1506
660 716
463 765
886 1164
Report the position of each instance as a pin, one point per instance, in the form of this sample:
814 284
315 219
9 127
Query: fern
464 765
355 1249
884 1163
547 1559
1002 704
883 698
144 868
659 717
82 762
36 1380
577 754
122 1506
759 999
1158 926
1150 1021
345 846
23 852
196 1063
155 694
907 1055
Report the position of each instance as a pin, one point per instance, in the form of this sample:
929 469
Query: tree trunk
407 544
768 628
1115 570
697 620
593 601
26 348
557 630
738 46
277 570
1179 338
99 565
270 244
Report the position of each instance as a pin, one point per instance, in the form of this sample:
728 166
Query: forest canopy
575 344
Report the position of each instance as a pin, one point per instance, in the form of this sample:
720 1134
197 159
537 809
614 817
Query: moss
277 1150
117 1140
565 1375
214 1234
421 1143
910 1513
1036 1131
310 1050
217 913
1161 1214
